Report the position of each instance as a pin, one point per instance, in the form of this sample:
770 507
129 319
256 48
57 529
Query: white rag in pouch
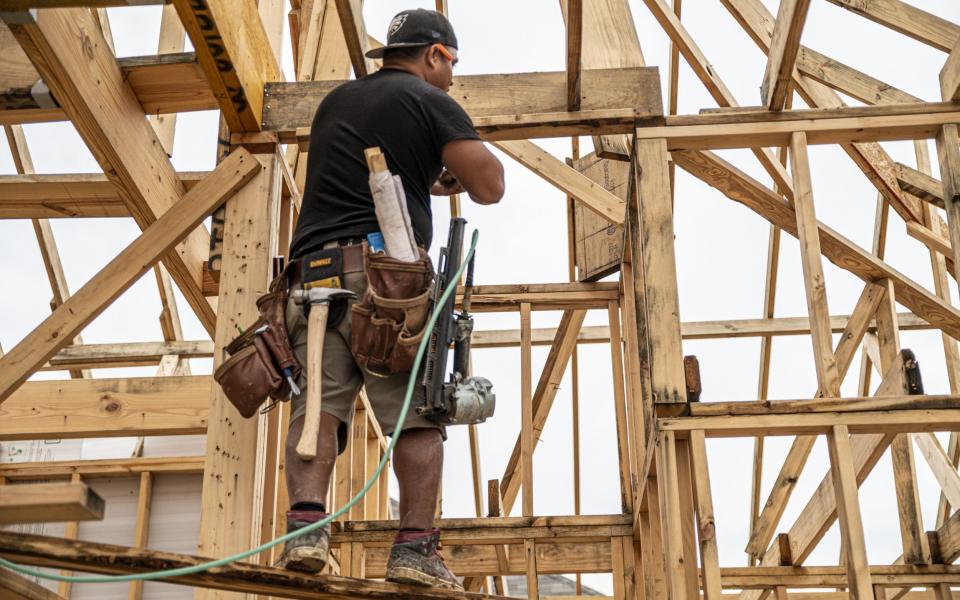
390 204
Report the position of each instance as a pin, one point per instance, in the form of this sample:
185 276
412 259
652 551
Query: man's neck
397 66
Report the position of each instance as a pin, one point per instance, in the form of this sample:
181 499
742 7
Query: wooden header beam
758 128
501 102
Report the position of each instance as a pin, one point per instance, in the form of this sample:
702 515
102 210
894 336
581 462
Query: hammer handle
316 328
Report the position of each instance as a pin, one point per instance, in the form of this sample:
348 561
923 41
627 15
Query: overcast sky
721 254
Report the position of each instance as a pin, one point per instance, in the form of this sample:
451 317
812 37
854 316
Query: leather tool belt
387 324
261 362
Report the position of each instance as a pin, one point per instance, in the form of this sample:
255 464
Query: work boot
415 558
306 553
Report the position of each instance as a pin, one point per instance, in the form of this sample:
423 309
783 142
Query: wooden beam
232 499
110 282
233 50
905 18
920 184
110 467
492 101
527 435
81 408
906 420
565 178
848 511
707 528
655 237
70 54
782 56
948 151
237 577
49 503
754 128
847 80
940 464
142 526
355 33
742 188
828 375
574 22
950 75
16 587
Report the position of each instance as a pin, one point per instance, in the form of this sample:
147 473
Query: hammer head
320 295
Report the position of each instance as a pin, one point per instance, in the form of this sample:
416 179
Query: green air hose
293 534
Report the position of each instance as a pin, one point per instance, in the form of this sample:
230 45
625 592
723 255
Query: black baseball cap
417 27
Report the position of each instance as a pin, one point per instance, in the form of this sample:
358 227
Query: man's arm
476 168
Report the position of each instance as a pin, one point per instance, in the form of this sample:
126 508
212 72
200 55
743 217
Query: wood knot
87 44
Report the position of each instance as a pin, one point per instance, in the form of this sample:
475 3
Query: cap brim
378 52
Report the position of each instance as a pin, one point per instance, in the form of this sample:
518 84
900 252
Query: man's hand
446 185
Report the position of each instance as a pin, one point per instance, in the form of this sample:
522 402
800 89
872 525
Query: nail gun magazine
461 398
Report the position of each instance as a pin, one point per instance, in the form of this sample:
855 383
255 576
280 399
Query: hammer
319 299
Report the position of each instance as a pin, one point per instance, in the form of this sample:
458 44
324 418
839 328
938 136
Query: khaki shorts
343 378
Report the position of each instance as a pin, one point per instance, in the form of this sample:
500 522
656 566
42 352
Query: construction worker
430 141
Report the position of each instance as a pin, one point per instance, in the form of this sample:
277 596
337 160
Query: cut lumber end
49 502
376 161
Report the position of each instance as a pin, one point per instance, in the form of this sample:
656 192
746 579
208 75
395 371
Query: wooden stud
848 512
688 516
671 515
230 510
655 244
70 532
527 440
142 526
707 530
574 21
627 466
948 150
782 56
533 585
828 377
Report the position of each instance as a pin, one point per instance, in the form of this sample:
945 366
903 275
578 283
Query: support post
229 516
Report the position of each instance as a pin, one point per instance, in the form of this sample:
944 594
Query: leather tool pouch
324 268
258 356
388 323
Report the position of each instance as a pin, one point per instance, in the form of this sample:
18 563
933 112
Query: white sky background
721 253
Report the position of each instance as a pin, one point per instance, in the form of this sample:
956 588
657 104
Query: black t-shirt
409 119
